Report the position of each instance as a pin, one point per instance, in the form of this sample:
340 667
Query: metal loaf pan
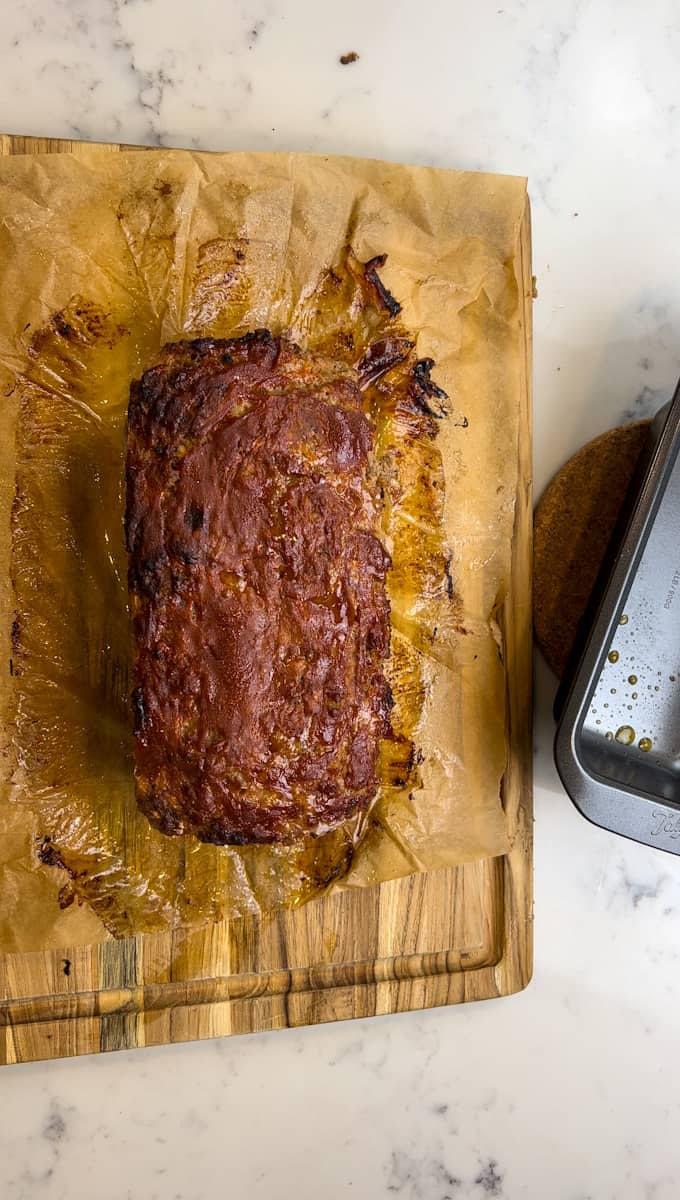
617 747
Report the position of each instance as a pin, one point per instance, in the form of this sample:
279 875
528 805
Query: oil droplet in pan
634 695
645 744
623 620
613 656
632 678
612 691
609 735
625 735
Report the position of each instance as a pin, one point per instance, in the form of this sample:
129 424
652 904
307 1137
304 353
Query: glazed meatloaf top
258 594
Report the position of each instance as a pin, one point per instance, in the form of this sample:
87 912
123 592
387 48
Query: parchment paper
101 262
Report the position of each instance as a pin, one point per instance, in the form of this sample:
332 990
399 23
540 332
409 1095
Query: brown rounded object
259 608
573 524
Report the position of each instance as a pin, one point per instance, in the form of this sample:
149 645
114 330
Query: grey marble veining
569 1091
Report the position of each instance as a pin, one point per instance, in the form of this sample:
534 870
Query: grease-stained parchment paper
104 260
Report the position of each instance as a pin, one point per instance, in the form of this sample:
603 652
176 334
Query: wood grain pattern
444 937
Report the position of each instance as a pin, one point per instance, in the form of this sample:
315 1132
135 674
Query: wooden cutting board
444 937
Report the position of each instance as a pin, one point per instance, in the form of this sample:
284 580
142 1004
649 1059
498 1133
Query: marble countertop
568 1091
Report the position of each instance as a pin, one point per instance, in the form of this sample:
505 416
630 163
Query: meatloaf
257 582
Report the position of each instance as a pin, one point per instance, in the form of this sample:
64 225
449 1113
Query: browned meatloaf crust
257 583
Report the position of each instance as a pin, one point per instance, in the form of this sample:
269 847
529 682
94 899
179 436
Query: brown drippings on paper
81 323
169 245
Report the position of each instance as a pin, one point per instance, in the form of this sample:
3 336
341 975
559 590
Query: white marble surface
569 1091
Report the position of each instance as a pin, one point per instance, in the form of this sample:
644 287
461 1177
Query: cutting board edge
128 1030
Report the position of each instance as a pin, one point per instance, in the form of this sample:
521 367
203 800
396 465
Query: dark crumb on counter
254 33
67 966
54 1128
489 1179
350 57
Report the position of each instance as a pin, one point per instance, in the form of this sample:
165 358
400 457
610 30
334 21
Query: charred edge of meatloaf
425 393
385 297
